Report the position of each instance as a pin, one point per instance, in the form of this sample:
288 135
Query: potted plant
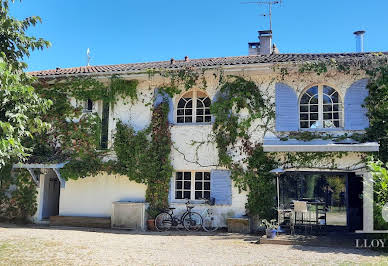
270 228
152 213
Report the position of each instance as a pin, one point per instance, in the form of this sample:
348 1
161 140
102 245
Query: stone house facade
304 102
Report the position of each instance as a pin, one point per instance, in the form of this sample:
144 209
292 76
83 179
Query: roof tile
208 62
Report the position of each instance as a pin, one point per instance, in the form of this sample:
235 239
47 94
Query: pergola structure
33 167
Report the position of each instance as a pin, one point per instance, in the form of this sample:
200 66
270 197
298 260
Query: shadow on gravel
341 250
222 233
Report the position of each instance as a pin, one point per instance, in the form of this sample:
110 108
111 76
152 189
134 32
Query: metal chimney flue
359 40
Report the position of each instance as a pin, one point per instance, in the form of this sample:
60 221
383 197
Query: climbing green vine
146 160
233 135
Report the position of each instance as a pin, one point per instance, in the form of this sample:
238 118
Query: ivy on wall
233 135
17 195
146 160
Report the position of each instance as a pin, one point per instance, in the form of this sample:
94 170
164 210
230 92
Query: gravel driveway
64 246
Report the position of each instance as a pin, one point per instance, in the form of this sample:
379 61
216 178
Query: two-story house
330 103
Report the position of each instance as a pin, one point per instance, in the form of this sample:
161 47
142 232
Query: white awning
362 147
274 144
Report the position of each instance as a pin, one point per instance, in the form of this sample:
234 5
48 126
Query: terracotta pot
151 224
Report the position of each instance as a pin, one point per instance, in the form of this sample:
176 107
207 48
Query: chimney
265 37
359 40
264 47
253 48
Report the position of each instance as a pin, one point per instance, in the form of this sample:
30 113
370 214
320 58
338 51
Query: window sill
193 124
196 202
322 129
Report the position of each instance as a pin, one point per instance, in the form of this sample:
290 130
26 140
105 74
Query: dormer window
193 107
320 107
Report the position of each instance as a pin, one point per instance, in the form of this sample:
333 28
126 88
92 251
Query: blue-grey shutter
171 191
287 115
221 187
355 114
159 99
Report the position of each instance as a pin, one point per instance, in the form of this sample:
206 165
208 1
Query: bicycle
190 220
210 221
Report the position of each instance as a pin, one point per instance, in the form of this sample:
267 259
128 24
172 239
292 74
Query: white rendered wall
93 196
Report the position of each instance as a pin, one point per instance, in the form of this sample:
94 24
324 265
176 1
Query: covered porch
321 197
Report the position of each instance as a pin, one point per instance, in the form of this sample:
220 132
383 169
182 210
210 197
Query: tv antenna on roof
270 4
88 56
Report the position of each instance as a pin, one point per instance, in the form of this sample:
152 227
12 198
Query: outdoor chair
302 216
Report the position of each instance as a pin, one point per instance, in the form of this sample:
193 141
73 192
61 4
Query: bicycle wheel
192 221
163 221
210 223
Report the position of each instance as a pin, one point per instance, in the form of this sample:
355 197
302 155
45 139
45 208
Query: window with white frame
320 107
192 185
194 107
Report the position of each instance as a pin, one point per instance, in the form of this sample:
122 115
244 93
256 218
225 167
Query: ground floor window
192 185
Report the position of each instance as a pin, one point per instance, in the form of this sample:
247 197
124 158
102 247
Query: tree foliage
21 111
15 44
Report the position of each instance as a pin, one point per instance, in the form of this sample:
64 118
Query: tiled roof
203 62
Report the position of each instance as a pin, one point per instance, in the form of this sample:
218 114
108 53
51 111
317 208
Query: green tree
15 44
20 110
20 107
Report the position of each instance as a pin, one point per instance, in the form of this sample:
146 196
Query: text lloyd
373 243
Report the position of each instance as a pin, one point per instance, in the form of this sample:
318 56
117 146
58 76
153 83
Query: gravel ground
72 246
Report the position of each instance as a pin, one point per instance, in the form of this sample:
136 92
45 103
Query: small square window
187 195
199 119
304 124
313 116
187 175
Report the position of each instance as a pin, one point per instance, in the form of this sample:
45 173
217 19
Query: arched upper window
320 107
193 107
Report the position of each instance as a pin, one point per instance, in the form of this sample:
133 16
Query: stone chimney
265 46
265 37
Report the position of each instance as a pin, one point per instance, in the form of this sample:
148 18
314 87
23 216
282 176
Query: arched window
320 107
193 107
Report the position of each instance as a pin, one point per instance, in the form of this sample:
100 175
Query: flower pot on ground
271 228
151 225
271 233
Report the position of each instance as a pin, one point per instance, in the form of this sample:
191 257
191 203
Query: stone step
80 221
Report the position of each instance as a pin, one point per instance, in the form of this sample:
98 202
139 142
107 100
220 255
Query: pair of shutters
287 104
220 187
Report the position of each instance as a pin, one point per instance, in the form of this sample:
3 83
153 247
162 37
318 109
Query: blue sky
138 31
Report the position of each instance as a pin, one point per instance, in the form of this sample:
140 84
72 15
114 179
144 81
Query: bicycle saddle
171 208
190 207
